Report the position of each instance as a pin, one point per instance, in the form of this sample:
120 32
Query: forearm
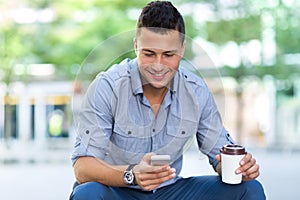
90 169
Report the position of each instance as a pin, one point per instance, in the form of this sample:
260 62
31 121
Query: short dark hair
161 16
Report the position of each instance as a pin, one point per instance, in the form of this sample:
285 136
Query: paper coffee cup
231 155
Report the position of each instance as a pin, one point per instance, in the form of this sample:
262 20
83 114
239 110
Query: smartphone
159 160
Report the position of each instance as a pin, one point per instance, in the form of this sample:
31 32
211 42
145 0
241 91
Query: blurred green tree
77 27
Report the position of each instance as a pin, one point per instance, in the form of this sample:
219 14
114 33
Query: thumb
218 157
147 157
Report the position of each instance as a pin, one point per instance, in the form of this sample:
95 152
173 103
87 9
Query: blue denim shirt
117 124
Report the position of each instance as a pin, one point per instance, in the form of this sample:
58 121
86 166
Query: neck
155 95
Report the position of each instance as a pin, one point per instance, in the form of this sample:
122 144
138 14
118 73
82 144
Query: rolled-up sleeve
211 135
94 123
90 142
223 139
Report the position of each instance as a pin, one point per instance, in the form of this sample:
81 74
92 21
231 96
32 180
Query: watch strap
130 167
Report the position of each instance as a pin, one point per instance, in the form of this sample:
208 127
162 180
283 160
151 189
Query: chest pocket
131 138
184 128
129 143
179 135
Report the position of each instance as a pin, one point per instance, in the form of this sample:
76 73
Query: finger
147 157
149 187
246 159
159 169
218 157
154 176
154 169
251 176
246 166
251 173
149 182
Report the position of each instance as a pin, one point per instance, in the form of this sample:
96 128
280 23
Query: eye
169 55
148 54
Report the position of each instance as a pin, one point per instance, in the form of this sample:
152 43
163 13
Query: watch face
128 177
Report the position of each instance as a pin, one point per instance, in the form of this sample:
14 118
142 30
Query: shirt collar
136 82
174 84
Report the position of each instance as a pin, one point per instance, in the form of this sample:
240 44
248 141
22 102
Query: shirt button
129 132
87 131
183 132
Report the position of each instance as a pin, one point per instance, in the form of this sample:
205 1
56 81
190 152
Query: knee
254 190
89 190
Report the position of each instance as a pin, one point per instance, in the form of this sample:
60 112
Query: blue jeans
201 187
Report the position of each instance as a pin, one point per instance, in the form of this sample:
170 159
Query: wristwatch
128 175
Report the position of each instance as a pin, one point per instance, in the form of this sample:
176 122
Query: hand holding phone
159 160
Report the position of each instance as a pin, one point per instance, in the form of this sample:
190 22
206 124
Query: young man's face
158 56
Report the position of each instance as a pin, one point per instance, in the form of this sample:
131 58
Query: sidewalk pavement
52 180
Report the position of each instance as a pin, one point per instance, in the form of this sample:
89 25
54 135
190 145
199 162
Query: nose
157 65
158 59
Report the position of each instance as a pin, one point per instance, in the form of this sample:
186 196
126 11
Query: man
149 106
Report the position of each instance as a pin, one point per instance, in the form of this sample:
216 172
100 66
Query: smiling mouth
158 76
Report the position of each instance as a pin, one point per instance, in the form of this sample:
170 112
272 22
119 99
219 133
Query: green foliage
11 47
280 72
288 29
238 30
79 27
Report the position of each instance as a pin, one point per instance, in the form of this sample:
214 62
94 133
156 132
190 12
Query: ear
182 49
135 45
